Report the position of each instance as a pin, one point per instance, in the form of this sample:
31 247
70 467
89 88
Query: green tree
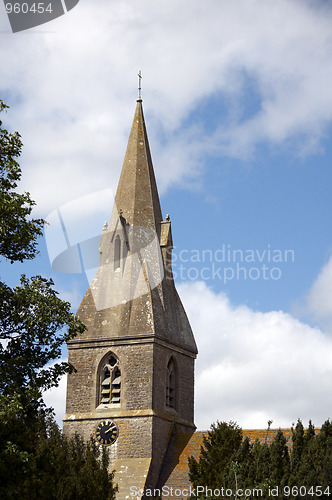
302 457
323 456
34 324
219 446
279 469
262 458
305 471
240 473
56 468
298 444
18 233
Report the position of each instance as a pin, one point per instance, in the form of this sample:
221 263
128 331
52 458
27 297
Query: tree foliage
18 233
52 467
219 446
32 322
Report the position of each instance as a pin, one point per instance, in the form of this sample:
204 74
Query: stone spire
137 194
135 322
133 293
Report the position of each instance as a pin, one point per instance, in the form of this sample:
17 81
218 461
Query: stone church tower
134 385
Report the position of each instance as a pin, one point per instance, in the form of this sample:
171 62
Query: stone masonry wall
135 435
136 363
184 390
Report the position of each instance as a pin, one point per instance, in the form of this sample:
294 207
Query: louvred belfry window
111 382
170 384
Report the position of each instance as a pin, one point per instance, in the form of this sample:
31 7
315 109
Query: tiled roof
263 434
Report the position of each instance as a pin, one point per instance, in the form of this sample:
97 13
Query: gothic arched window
170 384
117 252
110 381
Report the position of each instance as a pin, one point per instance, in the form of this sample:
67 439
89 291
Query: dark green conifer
219 446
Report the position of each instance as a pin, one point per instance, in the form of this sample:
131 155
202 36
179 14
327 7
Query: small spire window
170 384
110 390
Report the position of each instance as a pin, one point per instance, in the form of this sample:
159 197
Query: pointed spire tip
139 86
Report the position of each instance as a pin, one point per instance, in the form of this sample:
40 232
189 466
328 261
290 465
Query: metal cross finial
139 84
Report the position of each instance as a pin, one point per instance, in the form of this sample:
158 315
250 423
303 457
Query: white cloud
255 366
72 86
56 398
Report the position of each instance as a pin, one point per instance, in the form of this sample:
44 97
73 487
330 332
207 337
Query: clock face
107 432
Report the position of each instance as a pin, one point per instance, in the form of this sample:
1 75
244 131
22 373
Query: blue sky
238 106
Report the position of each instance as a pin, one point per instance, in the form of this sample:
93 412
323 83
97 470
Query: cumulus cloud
72 86
56 398
254 366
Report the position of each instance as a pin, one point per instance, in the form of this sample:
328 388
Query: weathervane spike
139 84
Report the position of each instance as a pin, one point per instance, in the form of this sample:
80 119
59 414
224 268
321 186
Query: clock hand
109 430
